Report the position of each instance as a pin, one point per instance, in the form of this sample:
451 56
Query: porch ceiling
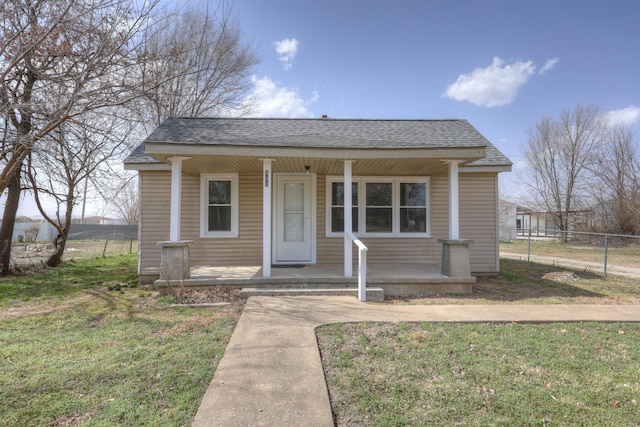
323 166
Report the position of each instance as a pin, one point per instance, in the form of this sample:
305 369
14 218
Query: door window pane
293 212
293 227
294 197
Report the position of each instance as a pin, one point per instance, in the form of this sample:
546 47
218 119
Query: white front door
294 220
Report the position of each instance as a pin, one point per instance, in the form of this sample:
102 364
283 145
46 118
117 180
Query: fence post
529 247
606 252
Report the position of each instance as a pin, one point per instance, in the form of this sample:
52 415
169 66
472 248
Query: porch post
176 195
454 210
348 221
455 251
267 182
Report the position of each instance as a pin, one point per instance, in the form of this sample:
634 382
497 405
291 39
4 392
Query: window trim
395 181
204 205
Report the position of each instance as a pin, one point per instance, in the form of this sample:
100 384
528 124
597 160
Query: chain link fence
599 253
99 246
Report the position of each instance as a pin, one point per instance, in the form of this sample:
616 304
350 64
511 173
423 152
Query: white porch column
176 195
348 221
455 251
454 203
267 183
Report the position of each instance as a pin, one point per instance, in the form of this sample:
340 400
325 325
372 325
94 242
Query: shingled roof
320 133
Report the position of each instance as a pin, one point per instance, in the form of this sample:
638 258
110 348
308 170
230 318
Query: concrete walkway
271 373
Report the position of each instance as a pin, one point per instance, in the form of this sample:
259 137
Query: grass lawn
492 374
561 374
83 345
521 282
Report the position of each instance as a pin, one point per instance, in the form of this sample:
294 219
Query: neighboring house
268 192
542 223
507 220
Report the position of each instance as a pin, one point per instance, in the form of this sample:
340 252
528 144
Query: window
219 205
379 207
413 207
337 207
389 207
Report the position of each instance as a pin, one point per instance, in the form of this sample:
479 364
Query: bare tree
59 169
124 198
196 64
59 60
617 182
560 153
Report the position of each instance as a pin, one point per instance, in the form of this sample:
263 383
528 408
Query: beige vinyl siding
246 249
155 202
479 219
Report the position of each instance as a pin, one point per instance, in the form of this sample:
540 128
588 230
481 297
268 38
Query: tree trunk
59 243
8 222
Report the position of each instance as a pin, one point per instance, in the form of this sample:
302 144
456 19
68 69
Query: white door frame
277 179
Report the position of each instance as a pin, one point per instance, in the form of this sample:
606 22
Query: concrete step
373 294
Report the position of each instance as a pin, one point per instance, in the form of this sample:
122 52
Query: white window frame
395 182
204 204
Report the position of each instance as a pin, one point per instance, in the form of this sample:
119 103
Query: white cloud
286 50
496 85
549 65
625 116
315 96
271 100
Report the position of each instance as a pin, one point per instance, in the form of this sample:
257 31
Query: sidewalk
271 373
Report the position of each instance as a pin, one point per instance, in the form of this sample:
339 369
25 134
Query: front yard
426 374
83 345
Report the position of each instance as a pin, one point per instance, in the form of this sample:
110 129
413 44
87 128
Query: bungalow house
227 196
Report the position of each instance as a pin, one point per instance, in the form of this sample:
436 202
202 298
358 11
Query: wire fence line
38 252
599 253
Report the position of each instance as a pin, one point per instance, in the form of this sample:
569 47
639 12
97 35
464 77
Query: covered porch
451 275
388 279
300 203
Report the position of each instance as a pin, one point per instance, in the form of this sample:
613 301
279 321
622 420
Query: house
271 193
540 223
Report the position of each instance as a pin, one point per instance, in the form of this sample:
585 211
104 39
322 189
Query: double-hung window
337 206
382 206
219 205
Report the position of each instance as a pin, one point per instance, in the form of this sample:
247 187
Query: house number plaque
266 179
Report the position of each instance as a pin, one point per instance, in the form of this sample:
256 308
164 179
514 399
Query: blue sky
499 64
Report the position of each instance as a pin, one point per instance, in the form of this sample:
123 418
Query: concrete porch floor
394 279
